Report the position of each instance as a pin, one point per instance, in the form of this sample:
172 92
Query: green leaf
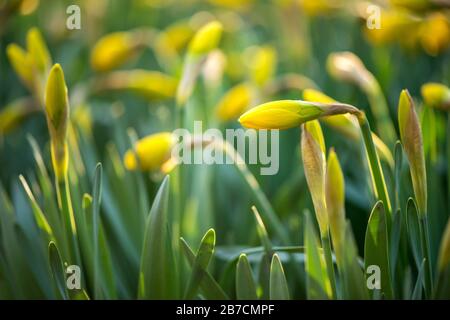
208 286
398 154
353 280
278 285
157 274
245 284
57 269
395 241
262 232
376 247
318 284
95 224
417 293
39 216
201 262
413 225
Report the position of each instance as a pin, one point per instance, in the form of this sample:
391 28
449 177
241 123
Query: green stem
425 242
375 166
66 208
326 244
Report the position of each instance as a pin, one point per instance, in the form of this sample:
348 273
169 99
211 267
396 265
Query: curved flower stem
326 244
375 166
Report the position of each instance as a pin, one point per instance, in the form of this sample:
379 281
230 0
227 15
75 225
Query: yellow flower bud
22 64
206 39
235 102
335 197
285 114
150 153
411 137
38 51
115 49
436 95
313 156
57 112
152 85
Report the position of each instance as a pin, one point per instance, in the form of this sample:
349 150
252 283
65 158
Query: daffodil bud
57 112
313 156
444 251
204 41
335 197
176 36
38 51
285 114
22 64
152 85
411 136
235 102
150 153
436 95
115 49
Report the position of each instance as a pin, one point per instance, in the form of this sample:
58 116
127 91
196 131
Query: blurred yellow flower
436 95
150 153
38 51
153 85
262 62
21 63
235 102
435 34
115 49
206 39
12 114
